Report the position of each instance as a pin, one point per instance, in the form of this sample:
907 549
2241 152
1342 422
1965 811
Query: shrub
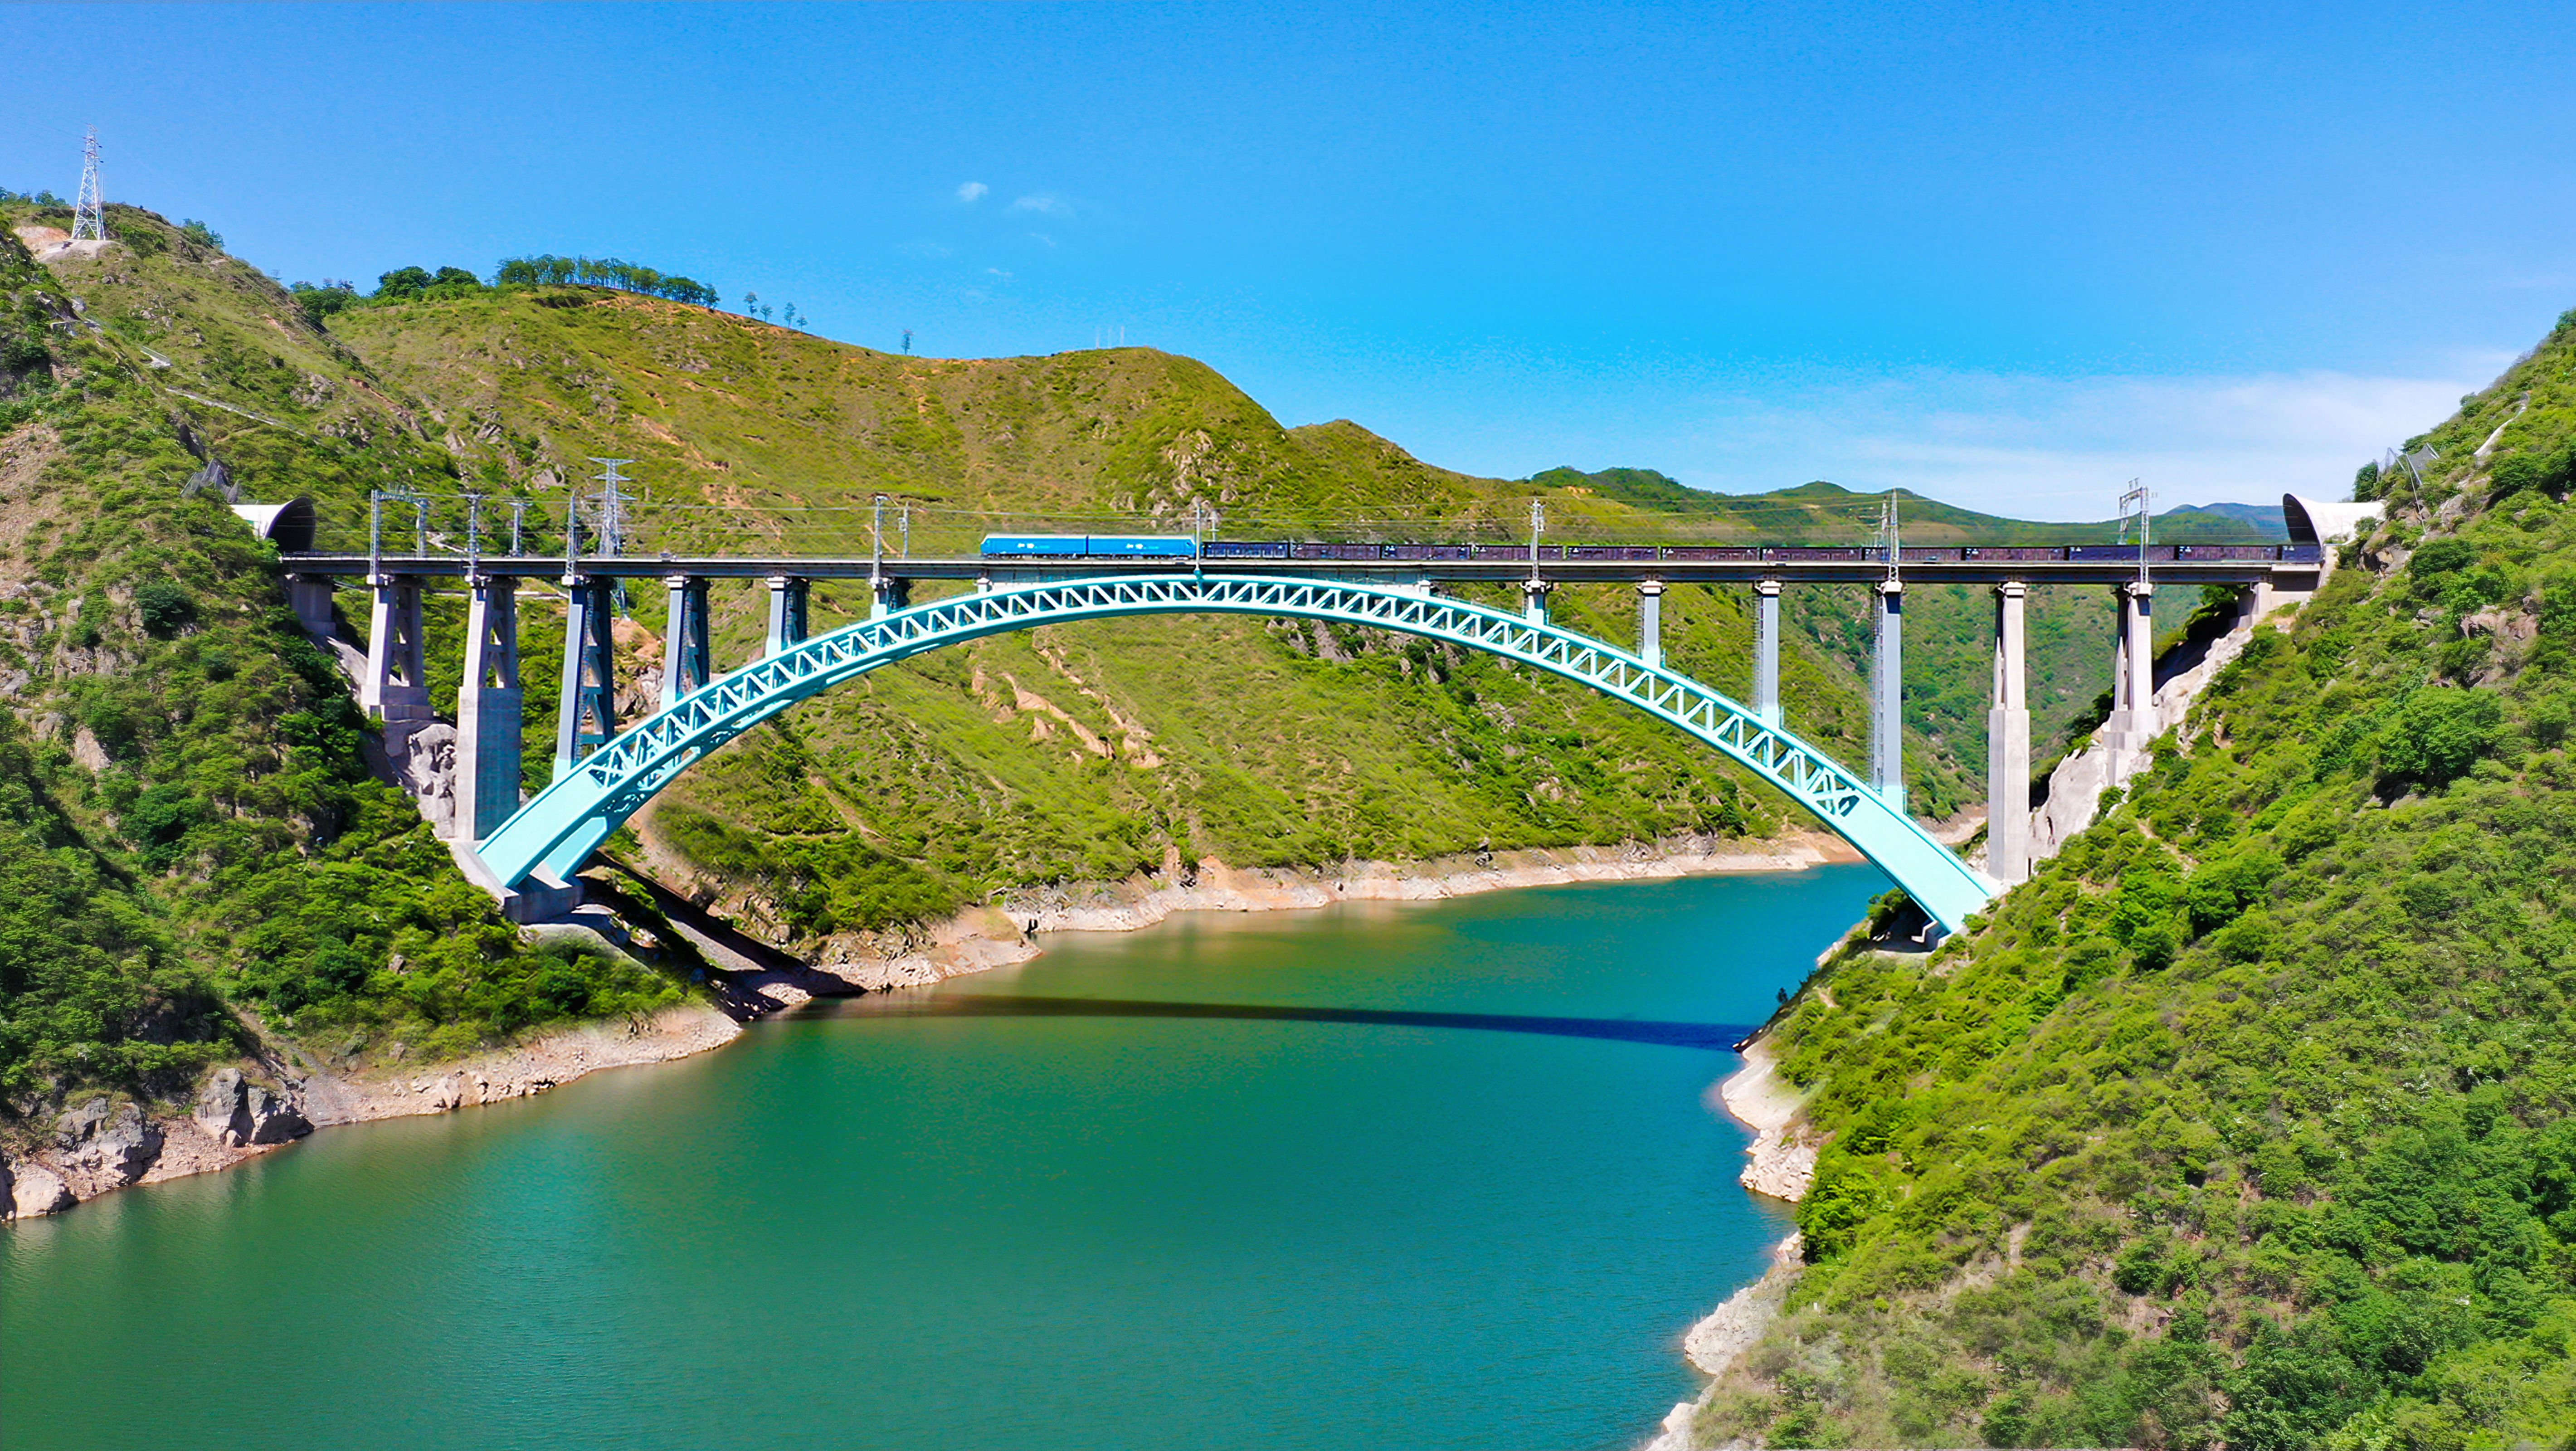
2155 946
402 283
22 352
2439 733
201 234
2438 558
323 301
165 608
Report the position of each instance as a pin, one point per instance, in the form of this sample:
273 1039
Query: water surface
1437 1175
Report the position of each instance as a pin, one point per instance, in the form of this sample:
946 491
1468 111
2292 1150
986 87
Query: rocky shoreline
99 1145
1782 1164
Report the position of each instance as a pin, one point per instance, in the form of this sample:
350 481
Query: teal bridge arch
560 826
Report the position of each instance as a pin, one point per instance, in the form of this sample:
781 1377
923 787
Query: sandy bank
1782 1157
1007 930
1216 887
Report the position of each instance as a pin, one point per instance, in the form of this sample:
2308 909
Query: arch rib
564 823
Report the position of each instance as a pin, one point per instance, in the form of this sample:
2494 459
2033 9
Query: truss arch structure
559 827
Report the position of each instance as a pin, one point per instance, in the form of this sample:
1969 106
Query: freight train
1148 546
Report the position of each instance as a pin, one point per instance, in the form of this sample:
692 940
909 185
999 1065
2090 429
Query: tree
402 284
2439 734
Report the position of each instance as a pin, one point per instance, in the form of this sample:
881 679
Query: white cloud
1044 205
1042 239
2063 448
998 272
972 191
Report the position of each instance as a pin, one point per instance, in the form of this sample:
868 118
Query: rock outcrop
37 1190
103 1146
1783 1156
235 1112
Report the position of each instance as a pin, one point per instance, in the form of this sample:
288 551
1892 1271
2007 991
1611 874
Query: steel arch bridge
560 826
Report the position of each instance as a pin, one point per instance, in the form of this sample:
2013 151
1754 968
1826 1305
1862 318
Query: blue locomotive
1090 546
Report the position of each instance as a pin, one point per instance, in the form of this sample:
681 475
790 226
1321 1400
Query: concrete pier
586 713
397 683
686 668
1887 698
1534 593
787 612
1766 651
2008 743
2133 671
1650 621
489 710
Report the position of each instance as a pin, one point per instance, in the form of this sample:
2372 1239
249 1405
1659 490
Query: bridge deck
2286 574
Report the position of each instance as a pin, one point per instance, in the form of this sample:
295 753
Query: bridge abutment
309 595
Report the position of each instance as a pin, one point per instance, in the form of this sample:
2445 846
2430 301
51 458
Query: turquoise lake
1427 1175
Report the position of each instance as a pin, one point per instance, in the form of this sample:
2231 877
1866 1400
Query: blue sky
2010 257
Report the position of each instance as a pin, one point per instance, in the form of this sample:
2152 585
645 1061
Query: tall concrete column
1534 594
586 711
787 596
2008 744
889 595
489 703
397 685
1650 621
309 595
2133 692
1887 698
685 663
1766 651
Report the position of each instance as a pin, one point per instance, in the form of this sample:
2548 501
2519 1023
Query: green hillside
2246 1121
1110 749
194 856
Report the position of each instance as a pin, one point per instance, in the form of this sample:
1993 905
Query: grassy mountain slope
2246 1121
1102 750
195 854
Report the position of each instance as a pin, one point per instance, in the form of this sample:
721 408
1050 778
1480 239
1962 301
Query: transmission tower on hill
87 223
